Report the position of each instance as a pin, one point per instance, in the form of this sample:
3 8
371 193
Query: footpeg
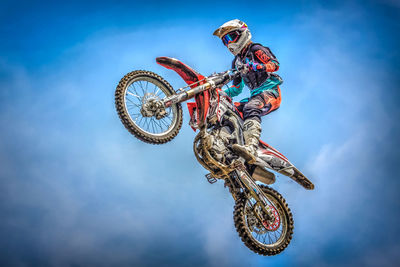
211 179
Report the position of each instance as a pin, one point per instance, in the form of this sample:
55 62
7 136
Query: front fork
245 181
157 107
186 95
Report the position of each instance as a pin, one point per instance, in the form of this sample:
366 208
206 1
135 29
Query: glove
254 66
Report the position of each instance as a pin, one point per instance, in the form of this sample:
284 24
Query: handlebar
220 79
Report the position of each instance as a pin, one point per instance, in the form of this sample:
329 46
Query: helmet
234 34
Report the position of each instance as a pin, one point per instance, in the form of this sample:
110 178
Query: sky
76 189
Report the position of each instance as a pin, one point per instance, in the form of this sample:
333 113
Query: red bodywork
193 79
201 104
236 106
189 75
269 150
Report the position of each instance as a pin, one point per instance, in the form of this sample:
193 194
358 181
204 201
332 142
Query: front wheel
268 237
138 102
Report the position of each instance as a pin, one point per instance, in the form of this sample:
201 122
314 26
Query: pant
261 104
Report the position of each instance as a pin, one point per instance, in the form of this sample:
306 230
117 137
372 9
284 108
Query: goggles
231 37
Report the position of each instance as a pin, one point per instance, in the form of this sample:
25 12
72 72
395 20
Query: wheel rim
269 234
137 92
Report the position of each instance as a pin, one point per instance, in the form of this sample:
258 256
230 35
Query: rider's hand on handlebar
242 68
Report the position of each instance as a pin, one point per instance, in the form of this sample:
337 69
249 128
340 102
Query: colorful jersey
259 78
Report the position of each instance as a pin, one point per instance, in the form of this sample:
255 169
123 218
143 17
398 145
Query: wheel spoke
159 125
152 124
134 95
137 94
144 90
141 118
162 120
276 238
147 125
133 103
258 231
134 88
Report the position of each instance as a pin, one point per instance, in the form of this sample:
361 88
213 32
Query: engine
219 140
211 150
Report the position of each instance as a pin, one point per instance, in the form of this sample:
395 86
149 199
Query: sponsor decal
262 56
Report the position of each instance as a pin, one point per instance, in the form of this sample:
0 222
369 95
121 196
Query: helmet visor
231 37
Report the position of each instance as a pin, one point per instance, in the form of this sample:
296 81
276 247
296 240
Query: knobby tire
124 115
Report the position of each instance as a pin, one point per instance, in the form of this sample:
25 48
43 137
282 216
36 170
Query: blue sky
77 189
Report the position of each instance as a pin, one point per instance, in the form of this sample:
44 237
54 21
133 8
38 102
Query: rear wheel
265 237
138 102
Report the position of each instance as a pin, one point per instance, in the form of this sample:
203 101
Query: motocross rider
256 64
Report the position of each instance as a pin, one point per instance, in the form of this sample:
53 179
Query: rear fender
278 162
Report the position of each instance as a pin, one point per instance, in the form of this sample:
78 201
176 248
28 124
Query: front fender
188 74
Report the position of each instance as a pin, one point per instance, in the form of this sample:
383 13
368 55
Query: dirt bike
151 110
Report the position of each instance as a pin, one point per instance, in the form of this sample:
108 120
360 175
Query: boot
251 134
